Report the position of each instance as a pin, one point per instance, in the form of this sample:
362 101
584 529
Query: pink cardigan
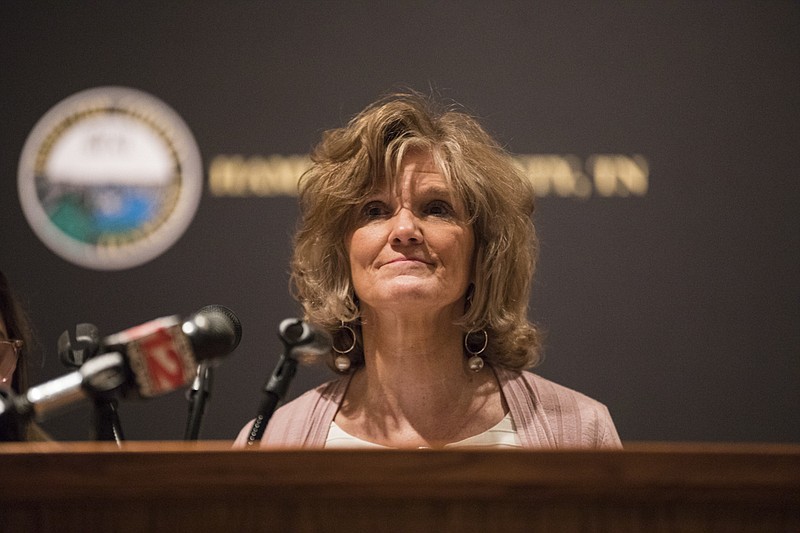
546 415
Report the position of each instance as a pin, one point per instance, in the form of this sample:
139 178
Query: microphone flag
160 355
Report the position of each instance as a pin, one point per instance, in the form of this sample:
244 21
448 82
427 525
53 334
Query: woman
16 341
416 251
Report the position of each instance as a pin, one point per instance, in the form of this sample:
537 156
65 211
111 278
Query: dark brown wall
679 309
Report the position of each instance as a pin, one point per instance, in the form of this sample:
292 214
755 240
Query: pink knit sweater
546 415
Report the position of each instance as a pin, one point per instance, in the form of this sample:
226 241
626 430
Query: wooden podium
206 486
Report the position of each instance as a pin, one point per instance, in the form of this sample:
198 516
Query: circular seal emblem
110 178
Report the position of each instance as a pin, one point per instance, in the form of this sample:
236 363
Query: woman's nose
405 228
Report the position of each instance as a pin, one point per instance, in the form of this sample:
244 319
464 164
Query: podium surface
207 486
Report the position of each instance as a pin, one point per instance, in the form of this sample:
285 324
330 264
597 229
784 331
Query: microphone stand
107 426
291 334
74 353
10 423
274 391
197 396
97 379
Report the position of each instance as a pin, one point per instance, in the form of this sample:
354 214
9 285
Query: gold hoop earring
342 362
475 362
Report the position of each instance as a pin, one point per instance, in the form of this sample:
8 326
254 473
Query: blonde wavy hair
352 162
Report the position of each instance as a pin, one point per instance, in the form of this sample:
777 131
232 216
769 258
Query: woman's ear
468 296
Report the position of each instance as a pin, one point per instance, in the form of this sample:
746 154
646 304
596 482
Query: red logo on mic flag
160 356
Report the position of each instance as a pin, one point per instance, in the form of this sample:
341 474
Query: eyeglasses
9 353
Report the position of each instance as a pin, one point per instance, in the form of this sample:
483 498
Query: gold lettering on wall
619 175
559 175
556 175
274 175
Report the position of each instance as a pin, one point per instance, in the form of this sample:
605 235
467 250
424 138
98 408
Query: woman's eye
374 210
439 208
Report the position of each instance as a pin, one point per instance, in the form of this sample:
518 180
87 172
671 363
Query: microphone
200 391
73 351
145 361
300 340
304 339
163 354
76 350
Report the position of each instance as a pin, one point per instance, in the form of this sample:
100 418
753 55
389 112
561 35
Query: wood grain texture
175 486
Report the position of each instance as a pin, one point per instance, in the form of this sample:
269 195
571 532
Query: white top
502 435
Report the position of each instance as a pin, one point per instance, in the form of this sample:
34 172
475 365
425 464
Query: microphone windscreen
214 331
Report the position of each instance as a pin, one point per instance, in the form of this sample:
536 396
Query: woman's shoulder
568 416
326 392
549 391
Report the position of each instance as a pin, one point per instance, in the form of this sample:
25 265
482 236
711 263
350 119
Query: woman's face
8 356
412 247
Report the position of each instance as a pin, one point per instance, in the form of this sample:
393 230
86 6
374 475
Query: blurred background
663 137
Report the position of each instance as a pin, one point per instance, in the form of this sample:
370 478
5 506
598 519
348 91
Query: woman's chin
413 299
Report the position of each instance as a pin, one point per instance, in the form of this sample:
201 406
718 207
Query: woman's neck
415 388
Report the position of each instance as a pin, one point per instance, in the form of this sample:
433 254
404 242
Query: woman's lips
405 260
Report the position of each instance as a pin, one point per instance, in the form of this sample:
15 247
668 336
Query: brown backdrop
678 308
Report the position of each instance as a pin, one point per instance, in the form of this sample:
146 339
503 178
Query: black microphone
74 349
145 361
300 339
217 317
304 339
163 354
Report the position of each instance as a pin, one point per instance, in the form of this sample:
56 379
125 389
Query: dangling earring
342 362
475 362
